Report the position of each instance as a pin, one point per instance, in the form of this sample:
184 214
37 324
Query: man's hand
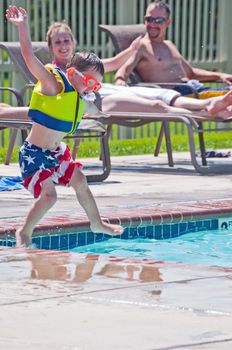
120 81
16 15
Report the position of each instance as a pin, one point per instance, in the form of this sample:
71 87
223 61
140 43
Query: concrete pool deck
54 300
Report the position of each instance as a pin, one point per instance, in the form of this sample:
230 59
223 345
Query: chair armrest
26 88
16 93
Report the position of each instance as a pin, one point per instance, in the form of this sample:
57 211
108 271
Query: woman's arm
114 63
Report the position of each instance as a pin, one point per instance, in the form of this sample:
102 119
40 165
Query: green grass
221 140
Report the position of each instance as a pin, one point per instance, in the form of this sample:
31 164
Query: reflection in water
81 267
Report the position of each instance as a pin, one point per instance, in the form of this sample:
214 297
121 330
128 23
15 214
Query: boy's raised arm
18 17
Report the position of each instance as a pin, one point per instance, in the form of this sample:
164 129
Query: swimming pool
204 247
207 241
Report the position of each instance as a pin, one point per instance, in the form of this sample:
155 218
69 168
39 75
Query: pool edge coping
129 217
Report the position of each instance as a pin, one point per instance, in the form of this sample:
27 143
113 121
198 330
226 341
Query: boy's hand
16 15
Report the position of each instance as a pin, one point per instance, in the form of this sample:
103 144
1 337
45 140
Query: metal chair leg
106 162
202 143
159 141
13 136
168 143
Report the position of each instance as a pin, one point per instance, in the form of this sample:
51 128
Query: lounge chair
122 36
87 128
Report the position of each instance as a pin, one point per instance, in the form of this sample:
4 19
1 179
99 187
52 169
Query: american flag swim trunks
37 164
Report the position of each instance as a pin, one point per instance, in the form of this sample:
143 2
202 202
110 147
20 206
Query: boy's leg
87 201
41 206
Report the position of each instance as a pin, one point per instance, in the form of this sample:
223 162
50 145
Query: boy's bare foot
220 103
105 227
22 240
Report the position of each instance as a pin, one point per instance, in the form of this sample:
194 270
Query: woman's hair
58 27
85 60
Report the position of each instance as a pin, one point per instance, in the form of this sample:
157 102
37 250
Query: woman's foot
220 103
105 227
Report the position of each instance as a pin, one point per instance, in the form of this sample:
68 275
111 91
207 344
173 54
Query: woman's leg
39 209
122 103
212 105
10 112
220 103
196 107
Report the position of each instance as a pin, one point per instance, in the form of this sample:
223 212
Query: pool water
205 247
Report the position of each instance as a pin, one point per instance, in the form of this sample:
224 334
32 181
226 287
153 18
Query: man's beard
154 33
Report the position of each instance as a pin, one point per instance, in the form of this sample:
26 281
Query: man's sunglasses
157 20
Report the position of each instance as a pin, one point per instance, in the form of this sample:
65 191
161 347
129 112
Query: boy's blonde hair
58 27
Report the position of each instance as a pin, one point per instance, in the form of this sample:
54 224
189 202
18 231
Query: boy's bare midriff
43 137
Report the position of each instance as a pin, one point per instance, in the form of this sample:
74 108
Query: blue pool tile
214 224
125 234
199 225
99 237
72 240
63 241
142 232
150 232
166 231
90 238
182 228
45 242
207 224
54 242
81 238
37 242
192 227
174 230
133 232
158 231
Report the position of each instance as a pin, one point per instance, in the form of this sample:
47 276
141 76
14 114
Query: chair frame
131 120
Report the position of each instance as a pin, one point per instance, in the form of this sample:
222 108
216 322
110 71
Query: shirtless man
158 60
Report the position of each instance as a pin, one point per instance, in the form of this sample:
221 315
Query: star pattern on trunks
29 159
42 166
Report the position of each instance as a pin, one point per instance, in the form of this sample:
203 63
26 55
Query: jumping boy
56 108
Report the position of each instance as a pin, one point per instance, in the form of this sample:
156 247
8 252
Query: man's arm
205 75
123 73
18 17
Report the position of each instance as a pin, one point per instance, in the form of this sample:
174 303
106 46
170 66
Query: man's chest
161 53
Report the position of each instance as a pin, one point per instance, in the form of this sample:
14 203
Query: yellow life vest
62 112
